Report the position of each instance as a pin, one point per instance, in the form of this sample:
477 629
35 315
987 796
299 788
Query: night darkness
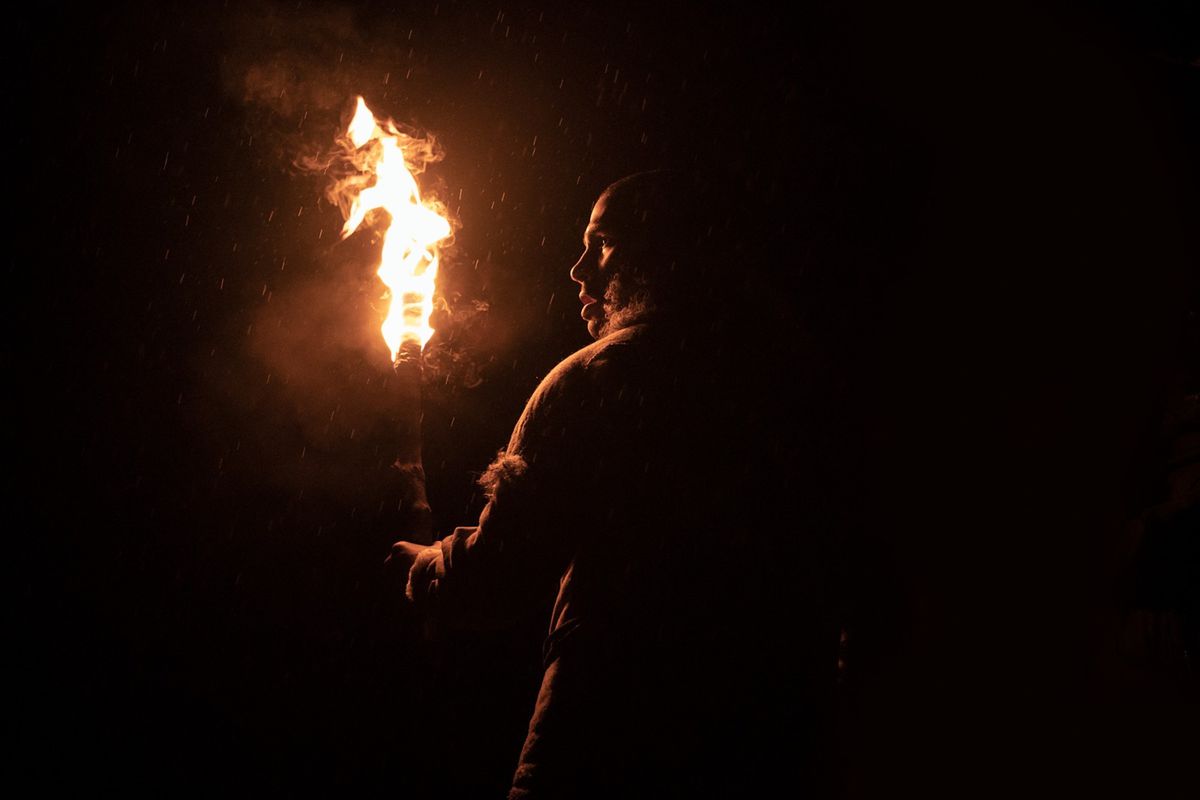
973 239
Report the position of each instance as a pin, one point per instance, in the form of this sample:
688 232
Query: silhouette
634 502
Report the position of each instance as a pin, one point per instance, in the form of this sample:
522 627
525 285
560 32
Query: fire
411 237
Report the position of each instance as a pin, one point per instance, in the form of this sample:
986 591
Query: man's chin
597 328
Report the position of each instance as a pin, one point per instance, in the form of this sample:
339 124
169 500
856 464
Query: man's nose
579 272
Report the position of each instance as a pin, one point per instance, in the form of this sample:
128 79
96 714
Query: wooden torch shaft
416 515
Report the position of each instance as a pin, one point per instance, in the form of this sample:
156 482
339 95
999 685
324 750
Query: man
634 484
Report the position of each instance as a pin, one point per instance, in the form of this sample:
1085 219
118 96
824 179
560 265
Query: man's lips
590 305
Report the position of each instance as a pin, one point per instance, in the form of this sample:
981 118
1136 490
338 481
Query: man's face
603 259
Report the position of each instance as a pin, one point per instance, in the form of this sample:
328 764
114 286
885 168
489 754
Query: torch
386 161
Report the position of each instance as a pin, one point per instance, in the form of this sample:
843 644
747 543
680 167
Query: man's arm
486 574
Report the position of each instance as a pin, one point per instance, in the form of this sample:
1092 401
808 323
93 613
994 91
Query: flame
411 237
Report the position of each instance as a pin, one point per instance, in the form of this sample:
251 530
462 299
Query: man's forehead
606 213
598 211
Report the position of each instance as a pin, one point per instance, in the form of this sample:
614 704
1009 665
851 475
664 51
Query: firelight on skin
602 257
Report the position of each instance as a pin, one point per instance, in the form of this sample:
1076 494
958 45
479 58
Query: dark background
973 237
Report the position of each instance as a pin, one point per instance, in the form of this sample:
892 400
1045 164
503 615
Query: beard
627 301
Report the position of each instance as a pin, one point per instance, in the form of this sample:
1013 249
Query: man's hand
403 555
417 565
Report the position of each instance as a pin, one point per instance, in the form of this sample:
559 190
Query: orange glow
415 228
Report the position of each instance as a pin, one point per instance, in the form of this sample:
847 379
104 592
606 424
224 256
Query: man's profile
631 494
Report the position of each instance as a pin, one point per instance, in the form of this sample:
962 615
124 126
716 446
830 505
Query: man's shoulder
580 381
593 359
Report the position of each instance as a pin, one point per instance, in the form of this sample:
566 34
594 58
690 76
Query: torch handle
417 517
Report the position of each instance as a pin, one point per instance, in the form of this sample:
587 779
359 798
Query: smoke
297 63
311 368
348 167
297 73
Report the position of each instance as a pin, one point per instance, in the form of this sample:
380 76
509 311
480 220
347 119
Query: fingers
400 561
403 555
419 563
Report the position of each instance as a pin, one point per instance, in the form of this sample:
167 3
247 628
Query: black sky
974 232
